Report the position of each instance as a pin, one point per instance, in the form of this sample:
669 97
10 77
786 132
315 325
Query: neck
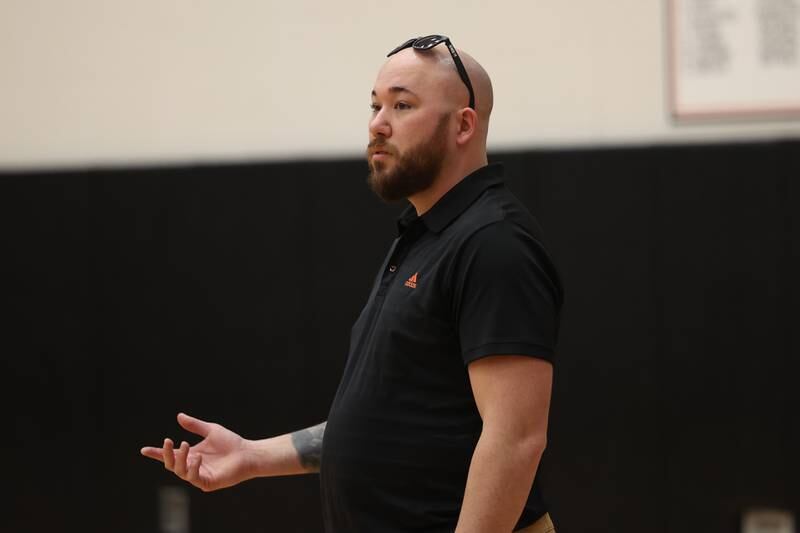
448 178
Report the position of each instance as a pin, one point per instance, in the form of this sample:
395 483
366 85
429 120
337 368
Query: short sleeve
507 295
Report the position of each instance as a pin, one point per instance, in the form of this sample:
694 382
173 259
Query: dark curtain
228 291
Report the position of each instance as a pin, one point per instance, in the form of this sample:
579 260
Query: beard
414 170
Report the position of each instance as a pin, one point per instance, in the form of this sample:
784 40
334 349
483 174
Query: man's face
396 174
409 129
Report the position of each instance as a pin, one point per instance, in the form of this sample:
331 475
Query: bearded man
440 419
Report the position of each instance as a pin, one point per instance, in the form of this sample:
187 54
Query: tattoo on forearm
308 443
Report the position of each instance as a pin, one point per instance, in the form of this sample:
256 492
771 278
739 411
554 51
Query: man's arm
223 458
308 446
513 397
290 454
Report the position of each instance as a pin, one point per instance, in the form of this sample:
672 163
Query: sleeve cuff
508 348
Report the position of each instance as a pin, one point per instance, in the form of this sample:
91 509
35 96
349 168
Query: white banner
734 58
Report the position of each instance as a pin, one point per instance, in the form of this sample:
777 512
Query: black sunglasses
426 43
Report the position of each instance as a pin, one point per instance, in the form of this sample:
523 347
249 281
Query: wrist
274 456
250 459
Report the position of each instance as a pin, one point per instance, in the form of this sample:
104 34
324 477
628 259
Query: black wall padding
228 291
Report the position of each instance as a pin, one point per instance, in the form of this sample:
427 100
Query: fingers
180 466
153 453
195 425
177 461
169 455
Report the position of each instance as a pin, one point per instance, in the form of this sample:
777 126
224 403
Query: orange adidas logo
412 281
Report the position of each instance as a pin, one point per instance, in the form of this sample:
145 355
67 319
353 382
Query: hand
220 460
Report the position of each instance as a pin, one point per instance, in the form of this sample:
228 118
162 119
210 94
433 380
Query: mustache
379 144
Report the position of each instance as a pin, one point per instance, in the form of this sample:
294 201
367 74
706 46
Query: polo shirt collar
455 201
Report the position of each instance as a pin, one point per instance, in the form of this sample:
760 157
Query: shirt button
392 268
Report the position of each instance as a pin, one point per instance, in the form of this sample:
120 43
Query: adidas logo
412 281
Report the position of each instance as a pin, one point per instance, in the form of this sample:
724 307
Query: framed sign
734 58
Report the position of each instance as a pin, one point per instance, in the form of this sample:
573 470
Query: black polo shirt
468 279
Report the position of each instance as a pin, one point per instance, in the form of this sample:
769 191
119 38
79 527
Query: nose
379 125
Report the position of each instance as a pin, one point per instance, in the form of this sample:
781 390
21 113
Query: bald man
440 418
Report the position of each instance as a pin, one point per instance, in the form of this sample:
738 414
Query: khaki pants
543 525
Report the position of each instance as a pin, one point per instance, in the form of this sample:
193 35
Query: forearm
294 453
499 481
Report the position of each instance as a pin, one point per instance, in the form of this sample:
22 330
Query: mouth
378 148
380 154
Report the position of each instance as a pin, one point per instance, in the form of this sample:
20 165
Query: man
440 419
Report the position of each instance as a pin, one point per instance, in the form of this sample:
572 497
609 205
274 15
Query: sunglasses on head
426 43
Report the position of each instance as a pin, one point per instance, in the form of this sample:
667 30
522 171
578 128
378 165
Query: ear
467 125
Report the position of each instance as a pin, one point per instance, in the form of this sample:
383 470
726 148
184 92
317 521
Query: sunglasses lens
426 43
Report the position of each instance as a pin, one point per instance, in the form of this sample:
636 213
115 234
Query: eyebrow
397 89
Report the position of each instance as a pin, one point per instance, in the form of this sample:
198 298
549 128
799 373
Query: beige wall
107 82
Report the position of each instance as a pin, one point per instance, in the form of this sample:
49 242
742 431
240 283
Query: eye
402 105
374 107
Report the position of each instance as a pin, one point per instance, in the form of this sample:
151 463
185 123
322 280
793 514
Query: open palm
216 462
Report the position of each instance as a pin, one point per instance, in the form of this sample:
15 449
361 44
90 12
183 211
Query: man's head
421 126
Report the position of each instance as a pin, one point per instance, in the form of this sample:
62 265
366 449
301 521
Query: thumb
195 425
